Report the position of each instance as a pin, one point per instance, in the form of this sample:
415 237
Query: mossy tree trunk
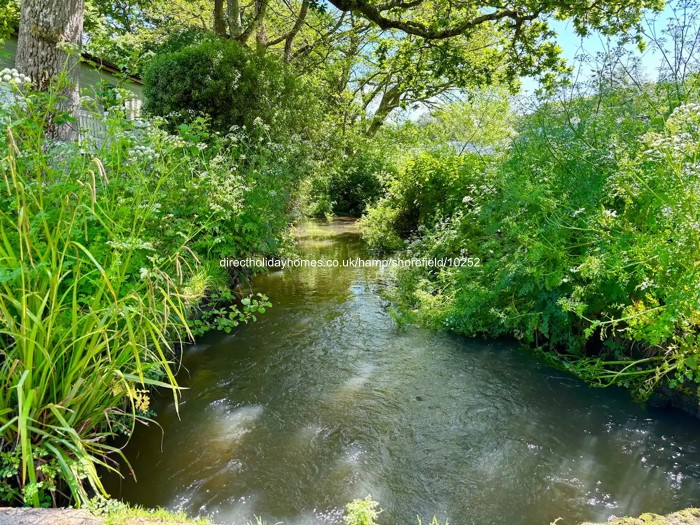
50 34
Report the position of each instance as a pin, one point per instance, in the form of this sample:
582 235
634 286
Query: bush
356 182
232 85
430 186
587 237
361 512
349 175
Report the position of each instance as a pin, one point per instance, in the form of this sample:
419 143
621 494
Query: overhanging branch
375 13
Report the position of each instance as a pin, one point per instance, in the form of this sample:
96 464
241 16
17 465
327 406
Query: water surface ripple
326 399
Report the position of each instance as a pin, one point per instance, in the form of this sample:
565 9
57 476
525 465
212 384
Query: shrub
349 174
429 187
361 512
232 85
357 181
587 234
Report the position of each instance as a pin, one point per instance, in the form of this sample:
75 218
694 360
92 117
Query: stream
326 399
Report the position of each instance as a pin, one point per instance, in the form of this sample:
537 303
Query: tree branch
260 9
375 14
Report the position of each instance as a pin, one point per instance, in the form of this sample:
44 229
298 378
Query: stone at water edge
27 516
684 517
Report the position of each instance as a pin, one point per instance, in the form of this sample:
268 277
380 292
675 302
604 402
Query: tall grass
78 347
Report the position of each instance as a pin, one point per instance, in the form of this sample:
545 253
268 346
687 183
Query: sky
573 46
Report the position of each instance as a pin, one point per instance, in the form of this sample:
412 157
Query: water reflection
325 399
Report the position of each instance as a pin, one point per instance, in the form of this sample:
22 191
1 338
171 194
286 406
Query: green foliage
361 512
349 175
232 85
82 336
431 186
9 18
220 313
106 249
356 181
587 229
117 513
128 33
514 42
434 521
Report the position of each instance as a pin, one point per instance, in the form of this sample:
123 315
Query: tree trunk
219 24
390 101
50 36
233 13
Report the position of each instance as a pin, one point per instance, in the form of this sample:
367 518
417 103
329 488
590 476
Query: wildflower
12 76
141 400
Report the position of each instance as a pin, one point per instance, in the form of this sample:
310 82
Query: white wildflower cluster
259 123
10 95
174 141
12 76
143 153
691 170
145 274
475 194
131 244
645 284
685 118
681 136
227 193
677 146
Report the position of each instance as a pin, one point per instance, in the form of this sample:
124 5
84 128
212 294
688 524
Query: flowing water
325 399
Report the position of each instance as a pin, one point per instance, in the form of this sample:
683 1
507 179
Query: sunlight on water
325 399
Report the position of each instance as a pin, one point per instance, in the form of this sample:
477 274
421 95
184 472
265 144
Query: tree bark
295 29
233 13
50 36
254 26
219 24
390 101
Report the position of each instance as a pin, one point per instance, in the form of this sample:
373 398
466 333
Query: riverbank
592 262
689 516
28 516
119 515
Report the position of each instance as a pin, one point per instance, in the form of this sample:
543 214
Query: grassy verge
123 514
